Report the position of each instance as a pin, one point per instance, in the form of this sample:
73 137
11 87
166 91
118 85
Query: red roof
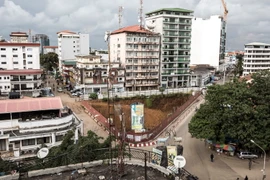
65 32
19 44
53 47
30 104
21 72
132 29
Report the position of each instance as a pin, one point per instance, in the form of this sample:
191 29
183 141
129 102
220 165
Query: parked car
247 155
60 90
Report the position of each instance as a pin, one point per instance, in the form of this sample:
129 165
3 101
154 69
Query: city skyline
96 17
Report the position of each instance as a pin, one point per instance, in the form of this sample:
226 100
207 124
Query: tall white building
19 67
174 25
137 50
48 49
256 58
208 40
71 44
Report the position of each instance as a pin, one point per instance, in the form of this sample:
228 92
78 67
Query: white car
247 155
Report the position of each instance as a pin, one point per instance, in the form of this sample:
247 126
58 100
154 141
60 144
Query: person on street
212 157
246 178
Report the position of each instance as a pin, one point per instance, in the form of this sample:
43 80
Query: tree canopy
49 61
238 67
238 110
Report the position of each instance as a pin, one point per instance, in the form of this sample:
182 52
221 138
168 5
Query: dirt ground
161 108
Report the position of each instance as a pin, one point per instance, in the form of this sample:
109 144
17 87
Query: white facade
137 50
71 44
19 67
48 49
256 58
24 132
174 25
18 37
207 41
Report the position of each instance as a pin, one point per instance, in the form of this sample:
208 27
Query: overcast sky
248 20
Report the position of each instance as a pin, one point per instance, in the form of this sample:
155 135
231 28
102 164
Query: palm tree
238 67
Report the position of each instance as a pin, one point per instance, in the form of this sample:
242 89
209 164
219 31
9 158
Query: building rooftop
21 72
257 44
24 34
132 29
65 32
53 47
171 9
19 44
87 56
69 63
30 104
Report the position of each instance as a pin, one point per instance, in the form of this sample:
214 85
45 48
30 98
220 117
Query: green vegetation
238 68
237 110
93 96
49 61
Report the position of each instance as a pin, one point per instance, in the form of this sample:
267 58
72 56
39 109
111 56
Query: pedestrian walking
246 178
212 157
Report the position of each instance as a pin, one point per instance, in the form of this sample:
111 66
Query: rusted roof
19 44
21 72
30 104
132 29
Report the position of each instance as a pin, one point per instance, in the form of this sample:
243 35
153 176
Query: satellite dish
42 153
179 161
150 25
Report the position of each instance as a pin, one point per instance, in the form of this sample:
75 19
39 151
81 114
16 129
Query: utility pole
120 15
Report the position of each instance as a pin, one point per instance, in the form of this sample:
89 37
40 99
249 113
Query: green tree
237 110
49 61
238 67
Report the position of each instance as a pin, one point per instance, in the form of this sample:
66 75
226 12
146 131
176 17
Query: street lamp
263 170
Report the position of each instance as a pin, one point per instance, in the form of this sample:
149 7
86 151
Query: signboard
179 161
156 156
137 116
42 153
171 154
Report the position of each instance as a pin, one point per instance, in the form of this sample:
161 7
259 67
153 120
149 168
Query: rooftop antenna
120 15
141 14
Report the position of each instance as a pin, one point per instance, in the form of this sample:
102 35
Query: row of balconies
142 57
142 70
258 67
141 77
142 63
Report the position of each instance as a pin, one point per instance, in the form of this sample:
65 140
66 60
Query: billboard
171 154
137 116
156 156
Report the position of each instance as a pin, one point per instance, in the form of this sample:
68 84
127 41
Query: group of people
212 160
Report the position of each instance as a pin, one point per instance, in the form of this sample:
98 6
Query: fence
133 137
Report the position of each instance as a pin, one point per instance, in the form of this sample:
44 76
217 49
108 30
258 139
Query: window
29 49
3 62
3 49
14 49
3 55
118 45
29 62
28 142
15 62
29 55
15 55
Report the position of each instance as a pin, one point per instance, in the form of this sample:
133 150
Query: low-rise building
48 49
18 37
256 58
91 72
29 123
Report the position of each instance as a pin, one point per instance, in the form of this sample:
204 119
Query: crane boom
225 10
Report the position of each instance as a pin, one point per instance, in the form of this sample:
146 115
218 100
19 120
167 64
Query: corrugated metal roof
30 104
132 29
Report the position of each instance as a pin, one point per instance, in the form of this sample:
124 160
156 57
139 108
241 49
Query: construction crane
225 10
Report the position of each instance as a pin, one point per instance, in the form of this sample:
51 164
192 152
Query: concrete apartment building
27 123
19 67
42 39
71 44
137 50
47 49
174 25
256 58
18 37
91 73
208 40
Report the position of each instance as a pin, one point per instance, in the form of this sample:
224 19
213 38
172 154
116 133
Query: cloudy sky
248 20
